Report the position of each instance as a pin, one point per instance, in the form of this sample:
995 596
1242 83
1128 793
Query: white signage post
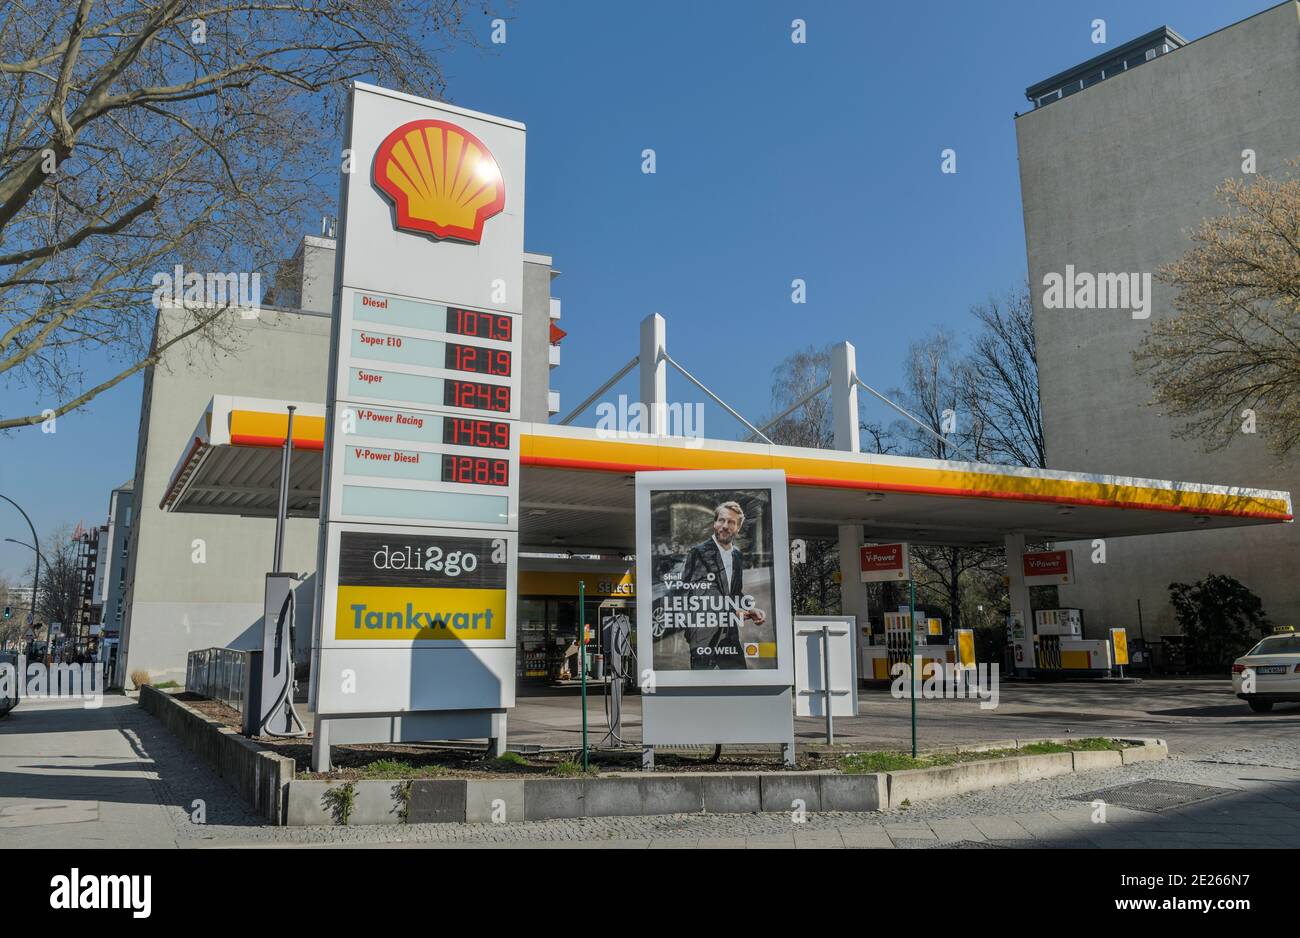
418 555
714 632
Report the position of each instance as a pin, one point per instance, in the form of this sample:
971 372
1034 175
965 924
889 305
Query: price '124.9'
477 396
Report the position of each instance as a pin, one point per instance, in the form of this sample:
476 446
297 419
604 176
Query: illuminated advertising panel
714 549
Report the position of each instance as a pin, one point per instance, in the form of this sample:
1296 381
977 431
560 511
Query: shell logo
441 179
751 649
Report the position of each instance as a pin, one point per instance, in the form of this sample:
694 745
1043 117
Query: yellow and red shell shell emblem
441 180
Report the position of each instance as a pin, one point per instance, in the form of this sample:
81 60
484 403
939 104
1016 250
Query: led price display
480 325
475 395
484 361
475 470
468 431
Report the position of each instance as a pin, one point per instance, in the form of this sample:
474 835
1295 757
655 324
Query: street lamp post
36 582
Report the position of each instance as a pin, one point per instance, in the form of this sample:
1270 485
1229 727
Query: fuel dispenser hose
285 653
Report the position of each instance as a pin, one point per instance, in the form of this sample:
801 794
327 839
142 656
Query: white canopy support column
1022 638
844 412
844 397
653 361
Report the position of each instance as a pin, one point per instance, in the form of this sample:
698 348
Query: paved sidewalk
113 777
105 777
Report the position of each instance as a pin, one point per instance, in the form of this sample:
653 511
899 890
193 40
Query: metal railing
218 674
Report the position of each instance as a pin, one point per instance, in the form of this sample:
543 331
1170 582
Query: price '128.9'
475 470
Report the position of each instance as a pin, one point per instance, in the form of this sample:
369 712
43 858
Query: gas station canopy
576 486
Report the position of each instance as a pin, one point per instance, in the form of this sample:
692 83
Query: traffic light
9 613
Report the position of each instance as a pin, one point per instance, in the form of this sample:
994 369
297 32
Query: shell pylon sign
442 180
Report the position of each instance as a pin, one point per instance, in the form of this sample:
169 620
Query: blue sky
774 161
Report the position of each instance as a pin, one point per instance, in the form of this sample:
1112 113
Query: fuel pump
277 716
616 637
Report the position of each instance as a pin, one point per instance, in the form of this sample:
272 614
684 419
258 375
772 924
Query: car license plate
1271 669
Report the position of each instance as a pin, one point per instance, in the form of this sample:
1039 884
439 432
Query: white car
1269 673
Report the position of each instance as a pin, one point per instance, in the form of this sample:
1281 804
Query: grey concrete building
117 547
196 580
121 505
1119 159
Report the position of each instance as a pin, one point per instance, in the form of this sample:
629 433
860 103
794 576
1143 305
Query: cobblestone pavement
115 777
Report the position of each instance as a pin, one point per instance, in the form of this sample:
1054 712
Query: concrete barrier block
1048 765
732 794
552 798
855 792
1153 751
373 802
306 804
483 799
913 785
612 797
437 801
1107 759
780 792
377 802
672 794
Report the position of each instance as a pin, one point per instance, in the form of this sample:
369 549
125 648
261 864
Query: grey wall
174 604
1111 180
316 267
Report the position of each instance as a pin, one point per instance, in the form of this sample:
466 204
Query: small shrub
1095 744
1039 749
402 800
140 679
569 768
389 768
340 801
511 760
165 685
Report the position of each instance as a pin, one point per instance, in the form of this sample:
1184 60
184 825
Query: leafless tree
813 588
1235 344
59 598
143 134
1000 381
937 388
